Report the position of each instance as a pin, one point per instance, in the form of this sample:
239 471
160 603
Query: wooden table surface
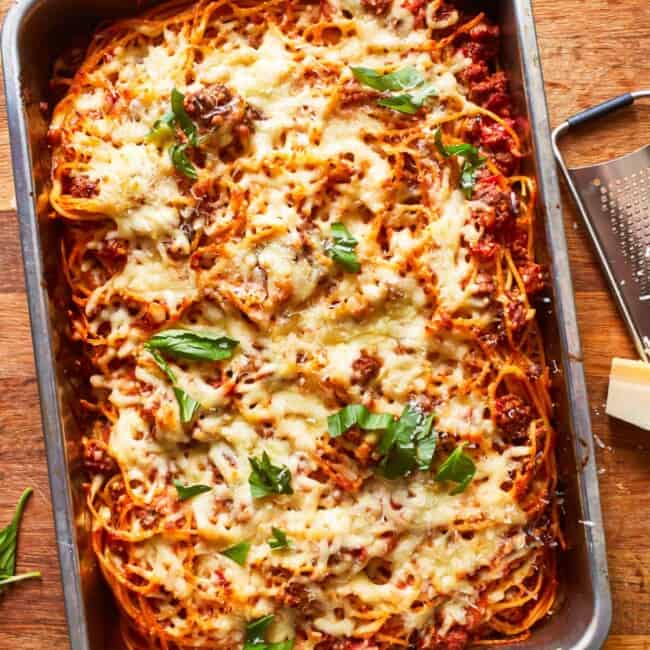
591 50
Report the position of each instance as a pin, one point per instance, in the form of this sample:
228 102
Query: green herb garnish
9 544
255 633
357 415
399 80
256 630
468 178
186 492
409 103
459 468
471 161
266 478
187 405
408 444
237 553
186 344
341 248
279 540
182 118
164 128
181 162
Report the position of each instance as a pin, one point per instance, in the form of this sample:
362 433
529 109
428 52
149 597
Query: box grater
613 199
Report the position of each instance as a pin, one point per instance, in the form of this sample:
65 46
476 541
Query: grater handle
601 109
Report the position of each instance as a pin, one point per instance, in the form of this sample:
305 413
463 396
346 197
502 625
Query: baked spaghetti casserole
298 253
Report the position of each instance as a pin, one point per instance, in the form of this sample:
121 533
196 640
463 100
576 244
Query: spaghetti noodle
300 257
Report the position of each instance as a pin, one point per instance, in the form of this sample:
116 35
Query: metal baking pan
34 34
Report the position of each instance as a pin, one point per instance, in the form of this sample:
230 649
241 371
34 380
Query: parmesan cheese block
628 397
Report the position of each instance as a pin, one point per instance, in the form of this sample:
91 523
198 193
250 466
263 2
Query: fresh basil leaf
422 93
255 633
397 80
181 162
256 630
472 161
193 345
401 103
341 235
186 492
341 248
9 536
359 415
266 478
411 423
162 364
9 544
237 553
408 444
426 440
187 405
468 176
468 151
346 258
459 468
409 103
182 118
468 179
162 129
279 540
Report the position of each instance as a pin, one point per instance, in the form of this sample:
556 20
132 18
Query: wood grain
590 51
587 55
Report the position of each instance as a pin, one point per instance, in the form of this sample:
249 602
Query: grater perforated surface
616 195
626 202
